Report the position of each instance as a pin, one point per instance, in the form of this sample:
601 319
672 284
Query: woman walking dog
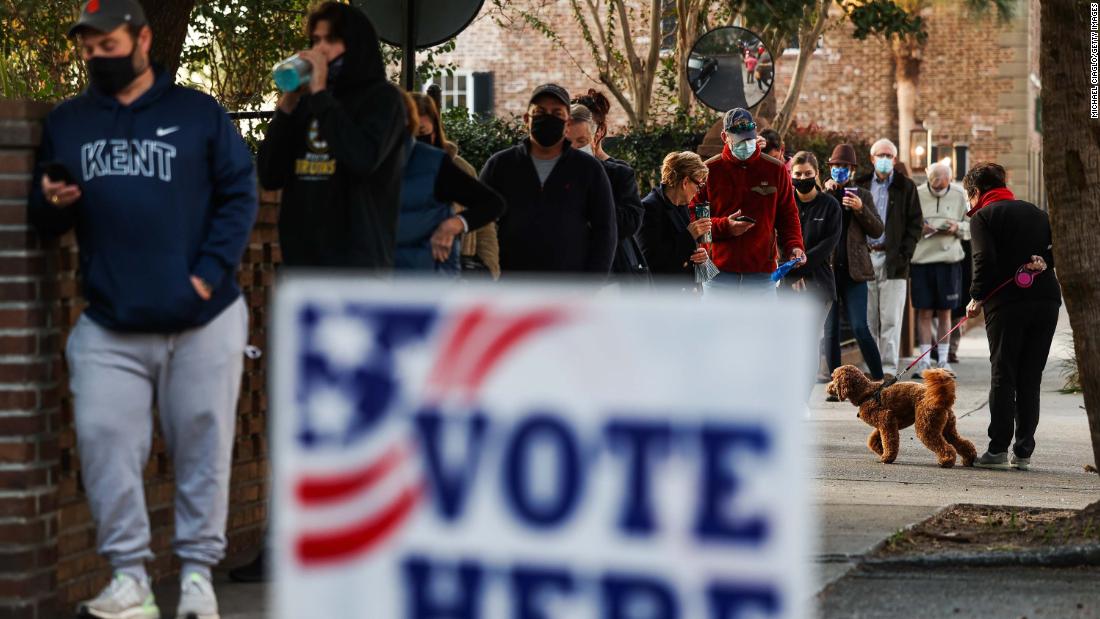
1020 319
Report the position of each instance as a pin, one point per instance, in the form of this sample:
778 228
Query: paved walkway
862 502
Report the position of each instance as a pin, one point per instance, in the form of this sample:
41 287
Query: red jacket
761 188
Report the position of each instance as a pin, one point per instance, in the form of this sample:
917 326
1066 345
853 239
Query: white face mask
587 148
938 194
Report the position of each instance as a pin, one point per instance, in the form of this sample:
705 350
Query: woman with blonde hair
670 241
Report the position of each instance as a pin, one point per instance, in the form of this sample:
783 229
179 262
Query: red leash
953 329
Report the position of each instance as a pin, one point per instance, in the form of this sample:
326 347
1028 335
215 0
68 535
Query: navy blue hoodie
169 191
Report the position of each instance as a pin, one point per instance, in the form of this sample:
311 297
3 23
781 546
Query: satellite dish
436 21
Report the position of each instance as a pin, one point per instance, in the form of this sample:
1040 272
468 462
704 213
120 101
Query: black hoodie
338 159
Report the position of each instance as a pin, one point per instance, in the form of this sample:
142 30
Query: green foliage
233 45
645 147
37 61
821 142
883 17
478 137
428 64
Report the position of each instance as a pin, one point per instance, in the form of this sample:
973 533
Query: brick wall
47 540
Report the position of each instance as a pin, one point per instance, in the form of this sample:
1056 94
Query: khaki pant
886 300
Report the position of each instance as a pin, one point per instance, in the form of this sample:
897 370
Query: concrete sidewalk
862 501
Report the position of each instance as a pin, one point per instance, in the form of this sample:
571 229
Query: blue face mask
841 175
884 165
744 150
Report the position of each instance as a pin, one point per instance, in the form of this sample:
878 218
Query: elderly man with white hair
937 263
899 208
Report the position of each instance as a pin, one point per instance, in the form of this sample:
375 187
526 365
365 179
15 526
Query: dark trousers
1019 335
853 296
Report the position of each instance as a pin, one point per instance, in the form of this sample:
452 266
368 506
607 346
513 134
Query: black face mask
547 130
425 138
111 75
804 185
335 68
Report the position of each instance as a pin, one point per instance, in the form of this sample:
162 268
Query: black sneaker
952 357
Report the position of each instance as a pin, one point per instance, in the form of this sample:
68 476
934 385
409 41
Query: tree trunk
907 65
809 32
169 20
1071 164
687 24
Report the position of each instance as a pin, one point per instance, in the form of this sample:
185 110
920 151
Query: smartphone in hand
58 173
745 218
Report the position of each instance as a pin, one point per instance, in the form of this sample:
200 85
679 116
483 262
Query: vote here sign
538 452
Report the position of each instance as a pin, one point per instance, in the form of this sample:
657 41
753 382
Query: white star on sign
330 412
345 342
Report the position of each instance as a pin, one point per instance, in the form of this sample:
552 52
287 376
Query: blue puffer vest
421 214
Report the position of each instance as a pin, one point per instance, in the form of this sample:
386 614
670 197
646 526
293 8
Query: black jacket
1004 236
666 242
904 222
822 222
629 264
564 226
338 159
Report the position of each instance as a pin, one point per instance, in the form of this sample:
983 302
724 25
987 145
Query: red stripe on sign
315 548
329 489
446 362
506 340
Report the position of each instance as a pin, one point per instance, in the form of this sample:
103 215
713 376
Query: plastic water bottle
290 74
702 211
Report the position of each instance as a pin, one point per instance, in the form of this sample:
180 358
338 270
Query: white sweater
940 212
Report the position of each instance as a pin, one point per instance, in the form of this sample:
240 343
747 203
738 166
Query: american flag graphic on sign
361 372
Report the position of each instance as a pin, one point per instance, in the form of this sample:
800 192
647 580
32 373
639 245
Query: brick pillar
30 369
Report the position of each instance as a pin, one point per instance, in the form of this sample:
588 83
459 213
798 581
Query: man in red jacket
752 207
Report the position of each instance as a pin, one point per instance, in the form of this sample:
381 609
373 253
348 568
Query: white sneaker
124 598
924 364
197 600
946 366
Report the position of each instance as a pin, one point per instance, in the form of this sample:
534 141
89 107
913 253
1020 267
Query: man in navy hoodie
161 190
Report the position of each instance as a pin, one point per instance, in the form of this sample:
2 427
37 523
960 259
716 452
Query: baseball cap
106 15
740 125
552 90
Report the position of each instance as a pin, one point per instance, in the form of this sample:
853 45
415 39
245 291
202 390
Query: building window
457 89
469 90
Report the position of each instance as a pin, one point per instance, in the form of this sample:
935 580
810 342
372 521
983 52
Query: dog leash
1023 278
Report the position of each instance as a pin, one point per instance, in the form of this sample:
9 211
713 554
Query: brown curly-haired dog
927 406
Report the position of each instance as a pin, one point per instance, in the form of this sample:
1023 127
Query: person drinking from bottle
752 203
1012 241
337 147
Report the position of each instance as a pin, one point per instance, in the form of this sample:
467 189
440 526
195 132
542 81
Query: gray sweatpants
194 377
